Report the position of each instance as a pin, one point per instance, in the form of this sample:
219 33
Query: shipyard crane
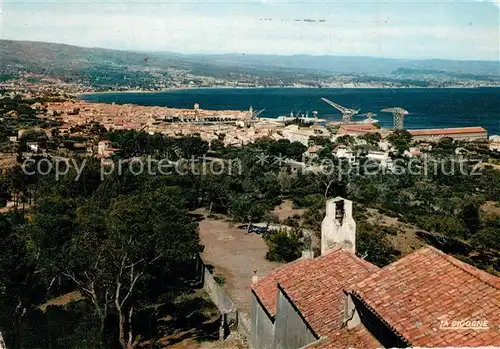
369 117
399 114
253 116
315 116
347 113
257 113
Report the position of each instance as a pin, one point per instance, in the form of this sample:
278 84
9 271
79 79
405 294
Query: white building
494 143
382 157
294 134
412 152
33 146
342 152
384 145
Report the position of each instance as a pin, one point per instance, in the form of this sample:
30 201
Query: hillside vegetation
107 68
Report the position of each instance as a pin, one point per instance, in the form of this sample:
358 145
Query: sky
423 29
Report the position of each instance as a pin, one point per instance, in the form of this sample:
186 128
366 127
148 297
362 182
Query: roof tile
437 287
318 291
357 337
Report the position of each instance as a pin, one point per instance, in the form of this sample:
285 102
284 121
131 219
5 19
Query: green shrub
284 245
220 280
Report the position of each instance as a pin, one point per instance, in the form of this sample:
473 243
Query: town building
494 143
413 152
458 134
339 300
33 146
313 151
296 134
343 152
381 157
357 129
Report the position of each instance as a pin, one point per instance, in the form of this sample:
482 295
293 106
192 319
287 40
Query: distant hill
50 58
42 55
105 67
349 64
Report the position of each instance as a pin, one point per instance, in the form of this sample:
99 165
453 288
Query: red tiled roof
266 288
131 126
358 129
315 149
366 126
447 131
318 291
357 337
416 293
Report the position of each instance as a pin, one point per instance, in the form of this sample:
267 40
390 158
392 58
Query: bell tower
338 229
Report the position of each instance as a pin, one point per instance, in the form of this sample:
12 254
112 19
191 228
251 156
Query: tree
488 237
472 221
401 140
372 138
216 144
445 147
284 245
18 279
246 209
270 218
295 150
374 246
346 139
97 129
317 140
191 146
112 252
214 191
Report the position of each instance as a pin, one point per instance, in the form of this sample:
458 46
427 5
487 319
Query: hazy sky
401 29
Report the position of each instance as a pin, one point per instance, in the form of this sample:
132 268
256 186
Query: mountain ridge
113 67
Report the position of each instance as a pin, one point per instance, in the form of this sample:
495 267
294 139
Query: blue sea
429 108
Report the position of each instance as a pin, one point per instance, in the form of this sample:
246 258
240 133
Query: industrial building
458 134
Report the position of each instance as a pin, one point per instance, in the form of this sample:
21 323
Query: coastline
172 89
423 116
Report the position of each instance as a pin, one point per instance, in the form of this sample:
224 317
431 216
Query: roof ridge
377 315
460 265
281 267
364 262
353 256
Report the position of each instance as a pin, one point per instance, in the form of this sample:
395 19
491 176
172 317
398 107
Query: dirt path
234 255
491 208
229 343
286 210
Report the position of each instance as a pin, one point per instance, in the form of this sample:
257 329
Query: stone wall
244 328
227 308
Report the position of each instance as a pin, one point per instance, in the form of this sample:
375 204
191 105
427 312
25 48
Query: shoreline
173 89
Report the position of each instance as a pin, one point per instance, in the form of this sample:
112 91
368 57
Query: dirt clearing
235 255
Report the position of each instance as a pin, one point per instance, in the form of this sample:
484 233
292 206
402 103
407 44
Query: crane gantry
399 114
347 113
369 117
253 116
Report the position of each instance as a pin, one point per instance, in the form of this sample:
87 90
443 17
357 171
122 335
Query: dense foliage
125 241
284 245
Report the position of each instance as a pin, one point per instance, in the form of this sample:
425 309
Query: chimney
338 229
